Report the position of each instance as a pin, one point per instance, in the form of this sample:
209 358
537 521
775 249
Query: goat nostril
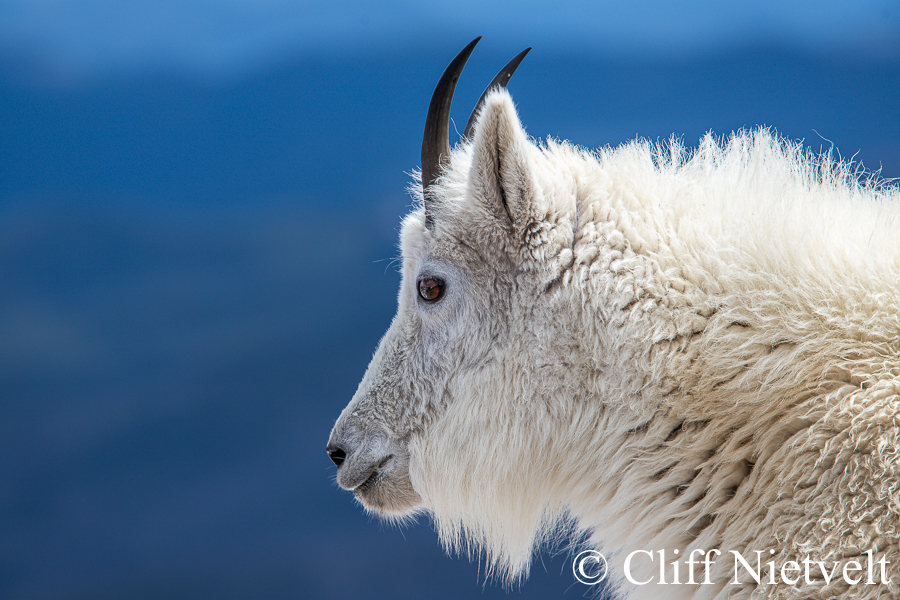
336 455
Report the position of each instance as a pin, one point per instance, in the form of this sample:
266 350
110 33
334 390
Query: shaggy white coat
662 348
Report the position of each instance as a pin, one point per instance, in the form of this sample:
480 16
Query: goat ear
500 177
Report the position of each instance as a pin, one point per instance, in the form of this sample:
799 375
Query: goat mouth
370 480
365 485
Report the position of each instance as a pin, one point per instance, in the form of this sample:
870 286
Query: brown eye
430 289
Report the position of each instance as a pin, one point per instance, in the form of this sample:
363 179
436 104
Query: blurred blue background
199 204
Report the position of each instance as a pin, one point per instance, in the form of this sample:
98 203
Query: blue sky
76 37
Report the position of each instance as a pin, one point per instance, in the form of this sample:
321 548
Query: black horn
436 140
499 81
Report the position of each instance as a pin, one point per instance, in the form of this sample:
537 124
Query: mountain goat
685 356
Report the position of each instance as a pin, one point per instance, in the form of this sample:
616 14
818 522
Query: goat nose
336 454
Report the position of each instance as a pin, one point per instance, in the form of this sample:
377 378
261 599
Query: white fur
661 348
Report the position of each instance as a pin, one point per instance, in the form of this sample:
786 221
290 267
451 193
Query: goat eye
430 289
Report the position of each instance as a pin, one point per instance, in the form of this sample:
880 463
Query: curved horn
436 140
499 81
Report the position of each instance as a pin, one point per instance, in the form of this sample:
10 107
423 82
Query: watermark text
703 567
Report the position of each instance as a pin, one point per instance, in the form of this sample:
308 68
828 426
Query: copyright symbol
590 567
